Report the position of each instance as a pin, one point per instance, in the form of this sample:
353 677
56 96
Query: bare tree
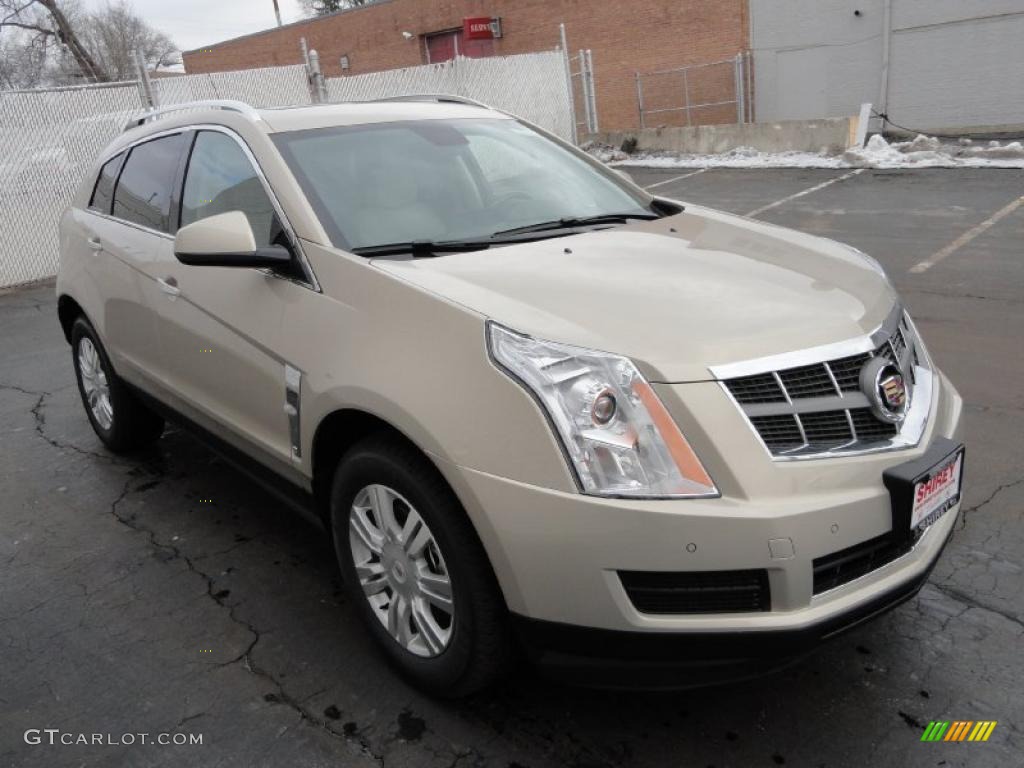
44 39
46 22
115 32
23 60
322 7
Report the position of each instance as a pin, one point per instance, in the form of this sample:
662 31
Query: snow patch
920 152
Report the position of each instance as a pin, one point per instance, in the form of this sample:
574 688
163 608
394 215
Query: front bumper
558 555
663 661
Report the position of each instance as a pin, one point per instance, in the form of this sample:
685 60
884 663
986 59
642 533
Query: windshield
443 180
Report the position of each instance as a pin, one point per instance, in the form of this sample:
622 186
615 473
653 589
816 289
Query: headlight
619 437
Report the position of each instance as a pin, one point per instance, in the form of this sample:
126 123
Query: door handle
95 243
169 285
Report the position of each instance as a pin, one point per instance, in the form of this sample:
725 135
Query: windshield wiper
580 221
504 237
422 247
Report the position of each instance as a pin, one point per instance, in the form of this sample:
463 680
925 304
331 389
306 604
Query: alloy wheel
401 570
95 383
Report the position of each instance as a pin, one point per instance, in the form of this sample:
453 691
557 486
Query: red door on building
445 46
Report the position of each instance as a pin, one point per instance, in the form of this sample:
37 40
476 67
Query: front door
223 333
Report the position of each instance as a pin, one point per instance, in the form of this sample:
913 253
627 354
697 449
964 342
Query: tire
477 649
123 423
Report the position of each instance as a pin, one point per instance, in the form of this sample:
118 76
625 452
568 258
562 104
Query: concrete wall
954 64
830 135
624 37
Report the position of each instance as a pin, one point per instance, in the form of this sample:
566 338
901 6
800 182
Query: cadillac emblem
886 389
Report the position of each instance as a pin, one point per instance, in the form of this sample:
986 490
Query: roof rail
439 97
229 105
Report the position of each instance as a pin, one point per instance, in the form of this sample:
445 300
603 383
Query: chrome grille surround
809 404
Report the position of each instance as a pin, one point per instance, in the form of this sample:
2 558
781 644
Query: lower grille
679 592
831 571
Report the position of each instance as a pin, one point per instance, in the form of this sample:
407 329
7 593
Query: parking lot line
809 190
674 178
966 237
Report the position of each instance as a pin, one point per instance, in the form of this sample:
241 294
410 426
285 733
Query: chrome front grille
818 408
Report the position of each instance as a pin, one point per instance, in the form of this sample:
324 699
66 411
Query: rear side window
221 179
103 193
143 193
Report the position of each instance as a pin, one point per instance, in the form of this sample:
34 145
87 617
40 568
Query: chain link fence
51 137
712 93
266 87
532 86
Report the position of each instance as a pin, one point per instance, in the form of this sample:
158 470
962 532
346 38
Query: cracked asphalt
164 593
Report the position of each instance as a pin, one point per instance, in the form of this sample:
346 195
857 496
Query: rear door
130 233
223 337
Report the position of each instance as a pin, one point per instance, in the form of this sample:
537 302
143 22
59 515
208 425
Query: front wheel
416 570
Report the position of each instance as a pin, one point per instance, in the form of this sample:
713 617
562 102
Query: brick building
625 36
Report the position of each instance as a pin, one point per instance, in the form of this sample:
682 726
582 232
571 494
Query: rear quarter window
103 192
143 192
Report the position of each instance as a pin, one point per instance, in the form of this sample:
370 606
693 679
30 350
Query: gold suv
537 408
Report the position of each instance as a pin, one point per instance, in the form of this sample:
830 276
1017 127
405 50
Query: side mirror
226 240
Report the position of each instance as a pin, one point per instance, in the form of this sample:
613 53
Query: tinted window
143 193
220 179
103 193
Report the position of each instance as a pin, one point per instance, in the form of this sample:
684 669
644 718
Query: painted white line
675 178
966 237
815 188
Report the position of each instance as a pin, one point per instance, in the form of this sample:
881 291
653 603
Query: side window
220 179
103 192
143 193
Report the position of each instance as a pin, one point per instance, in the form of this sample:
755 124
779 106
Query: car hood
678 295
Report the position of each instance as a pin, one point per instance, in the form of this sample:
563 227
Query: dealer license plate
937 491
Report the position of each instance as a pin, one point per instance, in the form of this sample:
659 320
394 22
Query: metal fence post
594 127
748 79
319 86
686 96
568 82
640 99
737 78
147 87
588 119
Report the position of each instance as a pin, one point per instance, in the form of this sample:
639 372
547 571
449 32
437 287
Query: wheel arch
343 428
336 432
68 310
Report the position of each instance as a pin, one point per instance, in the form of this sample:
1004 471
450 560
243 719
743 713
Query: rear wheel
117 417
416 570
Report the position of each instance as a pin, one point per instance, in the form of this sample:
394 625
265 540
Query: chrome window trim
311 282
132 224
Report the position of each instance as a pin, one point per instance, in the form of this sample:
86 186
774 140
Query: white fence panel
530 85
50 139
267 87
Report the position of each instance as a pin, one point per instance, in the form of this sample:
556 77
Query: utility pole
277 12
